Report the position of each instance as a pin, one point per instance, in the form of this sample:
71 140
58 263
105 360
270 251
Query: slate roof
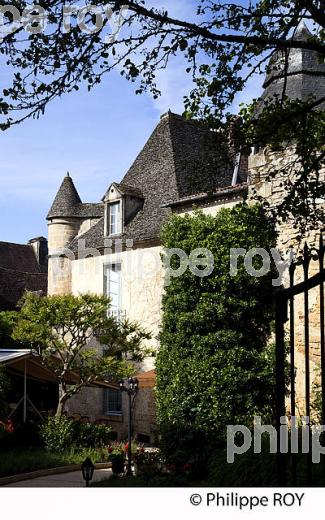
13 285
125 189
130 190
180 158
18 257
67 203
305 75
19 271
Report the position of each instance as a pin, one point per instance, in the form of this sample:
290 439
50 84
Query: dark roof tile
66 198
130 190
14 284
19 272
67 203
18 257
305 76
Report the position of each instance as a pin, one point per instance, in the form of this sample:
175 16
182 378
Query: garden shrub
90 435
60 433
57 433
215 366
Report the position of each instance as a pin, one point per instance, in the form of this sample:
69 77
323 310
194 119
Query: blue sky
95 136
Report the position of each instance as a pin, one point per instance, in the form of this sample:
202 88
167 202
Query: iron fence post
281 316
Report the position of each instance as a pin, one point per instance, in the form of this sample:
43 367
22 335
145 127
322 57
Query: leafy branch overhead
62 328
222 45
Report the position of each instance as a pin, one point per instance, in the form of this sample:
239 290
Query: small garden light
87 469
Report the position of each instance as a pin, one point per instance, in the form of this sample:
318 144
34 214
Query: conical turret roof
302 33
304 77
66 199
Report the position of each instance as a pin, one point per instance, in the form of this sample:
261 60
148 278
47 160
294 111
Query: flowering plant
147 457
7 426
116 449
116 455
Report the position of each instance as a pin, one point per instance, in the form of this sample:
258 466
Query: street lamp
87 469
131 389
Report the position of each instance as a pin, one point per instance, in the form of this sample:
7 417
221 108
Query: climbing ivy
215 366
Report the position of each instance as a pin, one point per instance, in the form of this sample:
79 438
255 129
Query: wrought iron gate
285 311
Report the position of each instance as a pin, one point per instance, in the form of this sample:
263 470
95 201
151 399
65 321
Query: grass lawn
23 460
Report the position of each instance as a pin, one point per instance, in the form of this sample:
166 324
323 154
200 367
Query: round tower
63 226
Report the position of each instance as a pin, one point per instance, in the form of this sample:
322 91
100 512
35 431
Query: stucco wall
142 282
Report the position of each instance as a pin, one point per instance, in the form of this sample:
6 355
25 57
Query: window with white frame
114 218
112 401
113 287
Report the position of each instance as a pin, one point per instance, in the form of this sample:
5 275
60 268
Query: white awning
17 360
11 355
29 365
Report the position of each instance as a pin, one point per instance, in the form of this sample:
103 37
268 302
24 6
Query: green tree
60 329
215 364
7 323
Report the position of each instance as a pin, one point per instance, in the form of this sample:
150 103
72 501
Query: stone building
113 247
22 268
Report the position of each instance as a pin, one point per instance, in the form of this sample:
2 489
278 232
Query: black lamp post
87 469
131 389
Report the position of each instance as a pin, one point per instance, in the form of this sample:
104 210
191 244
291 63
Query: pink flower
8 426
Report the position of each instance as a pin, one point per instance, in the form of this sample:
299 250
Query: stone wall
273 190
60 233
89 403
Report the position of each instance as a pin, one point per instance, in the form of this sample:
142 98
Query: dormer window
122 203
114 218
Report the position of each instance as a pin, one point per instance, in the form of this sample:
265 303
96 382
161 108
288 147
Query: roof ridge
170 116
14 244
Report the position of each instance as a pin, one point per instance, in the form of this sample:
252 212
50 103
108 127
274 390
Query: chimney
39 244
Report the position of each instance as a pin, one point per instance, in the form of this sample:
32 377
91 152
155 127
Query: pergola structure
28 364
